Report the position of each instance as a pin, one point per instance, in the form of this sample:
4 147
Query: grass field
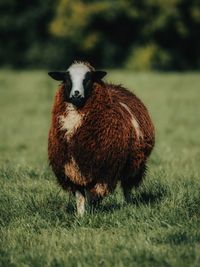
38 223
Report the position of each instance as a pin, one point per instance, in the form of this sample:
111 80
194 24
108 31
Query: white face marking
71 122
133 121
77 72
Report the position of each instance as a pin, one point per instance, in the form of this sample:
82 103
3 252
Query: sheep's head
78 81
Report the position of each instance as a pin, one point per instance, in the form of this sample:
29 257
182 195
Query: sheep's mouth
77 101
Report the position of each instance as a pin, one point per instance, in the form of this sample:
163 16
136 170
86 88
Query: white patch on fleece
77 72
71 121
133 121
74 173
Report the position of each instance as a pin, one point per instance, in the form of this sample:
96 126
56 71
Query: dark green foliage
24 37
141 35
38 225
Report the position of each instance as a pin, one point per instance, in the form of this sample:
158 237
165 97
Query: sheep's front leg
80 203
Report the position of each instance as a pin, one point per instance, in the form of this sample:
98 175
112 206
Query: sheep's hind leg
80 203
132 181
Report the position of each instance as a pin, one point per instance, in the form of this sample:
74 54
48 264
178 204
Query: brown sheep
100 134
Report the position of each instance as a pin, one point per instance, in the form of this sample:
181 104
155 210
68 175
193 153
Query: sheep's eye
87 83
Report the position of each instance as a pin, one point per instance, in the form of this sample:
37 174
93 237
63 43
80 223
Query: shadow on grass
148 198
150 195
138 198
109 207
55 207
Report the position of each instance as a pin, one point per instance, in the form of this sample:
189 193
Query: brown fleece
105 148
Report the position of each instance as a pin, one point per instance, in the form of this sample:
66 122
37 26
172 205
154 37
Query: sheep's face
78 82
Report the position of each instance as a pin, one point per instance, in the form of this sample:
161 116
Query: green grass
38 223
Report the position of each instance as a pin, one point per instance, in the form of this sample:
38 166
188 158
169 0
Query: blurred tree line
136 34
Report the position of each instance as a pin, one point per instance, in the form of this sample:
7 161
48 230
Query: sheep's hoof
80 203
128 196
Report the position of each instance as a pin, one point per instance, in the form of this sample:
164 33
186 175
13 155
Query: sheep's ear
58 75
99 74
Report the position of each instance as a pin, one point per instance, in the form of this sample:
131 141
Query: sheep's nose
76 93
